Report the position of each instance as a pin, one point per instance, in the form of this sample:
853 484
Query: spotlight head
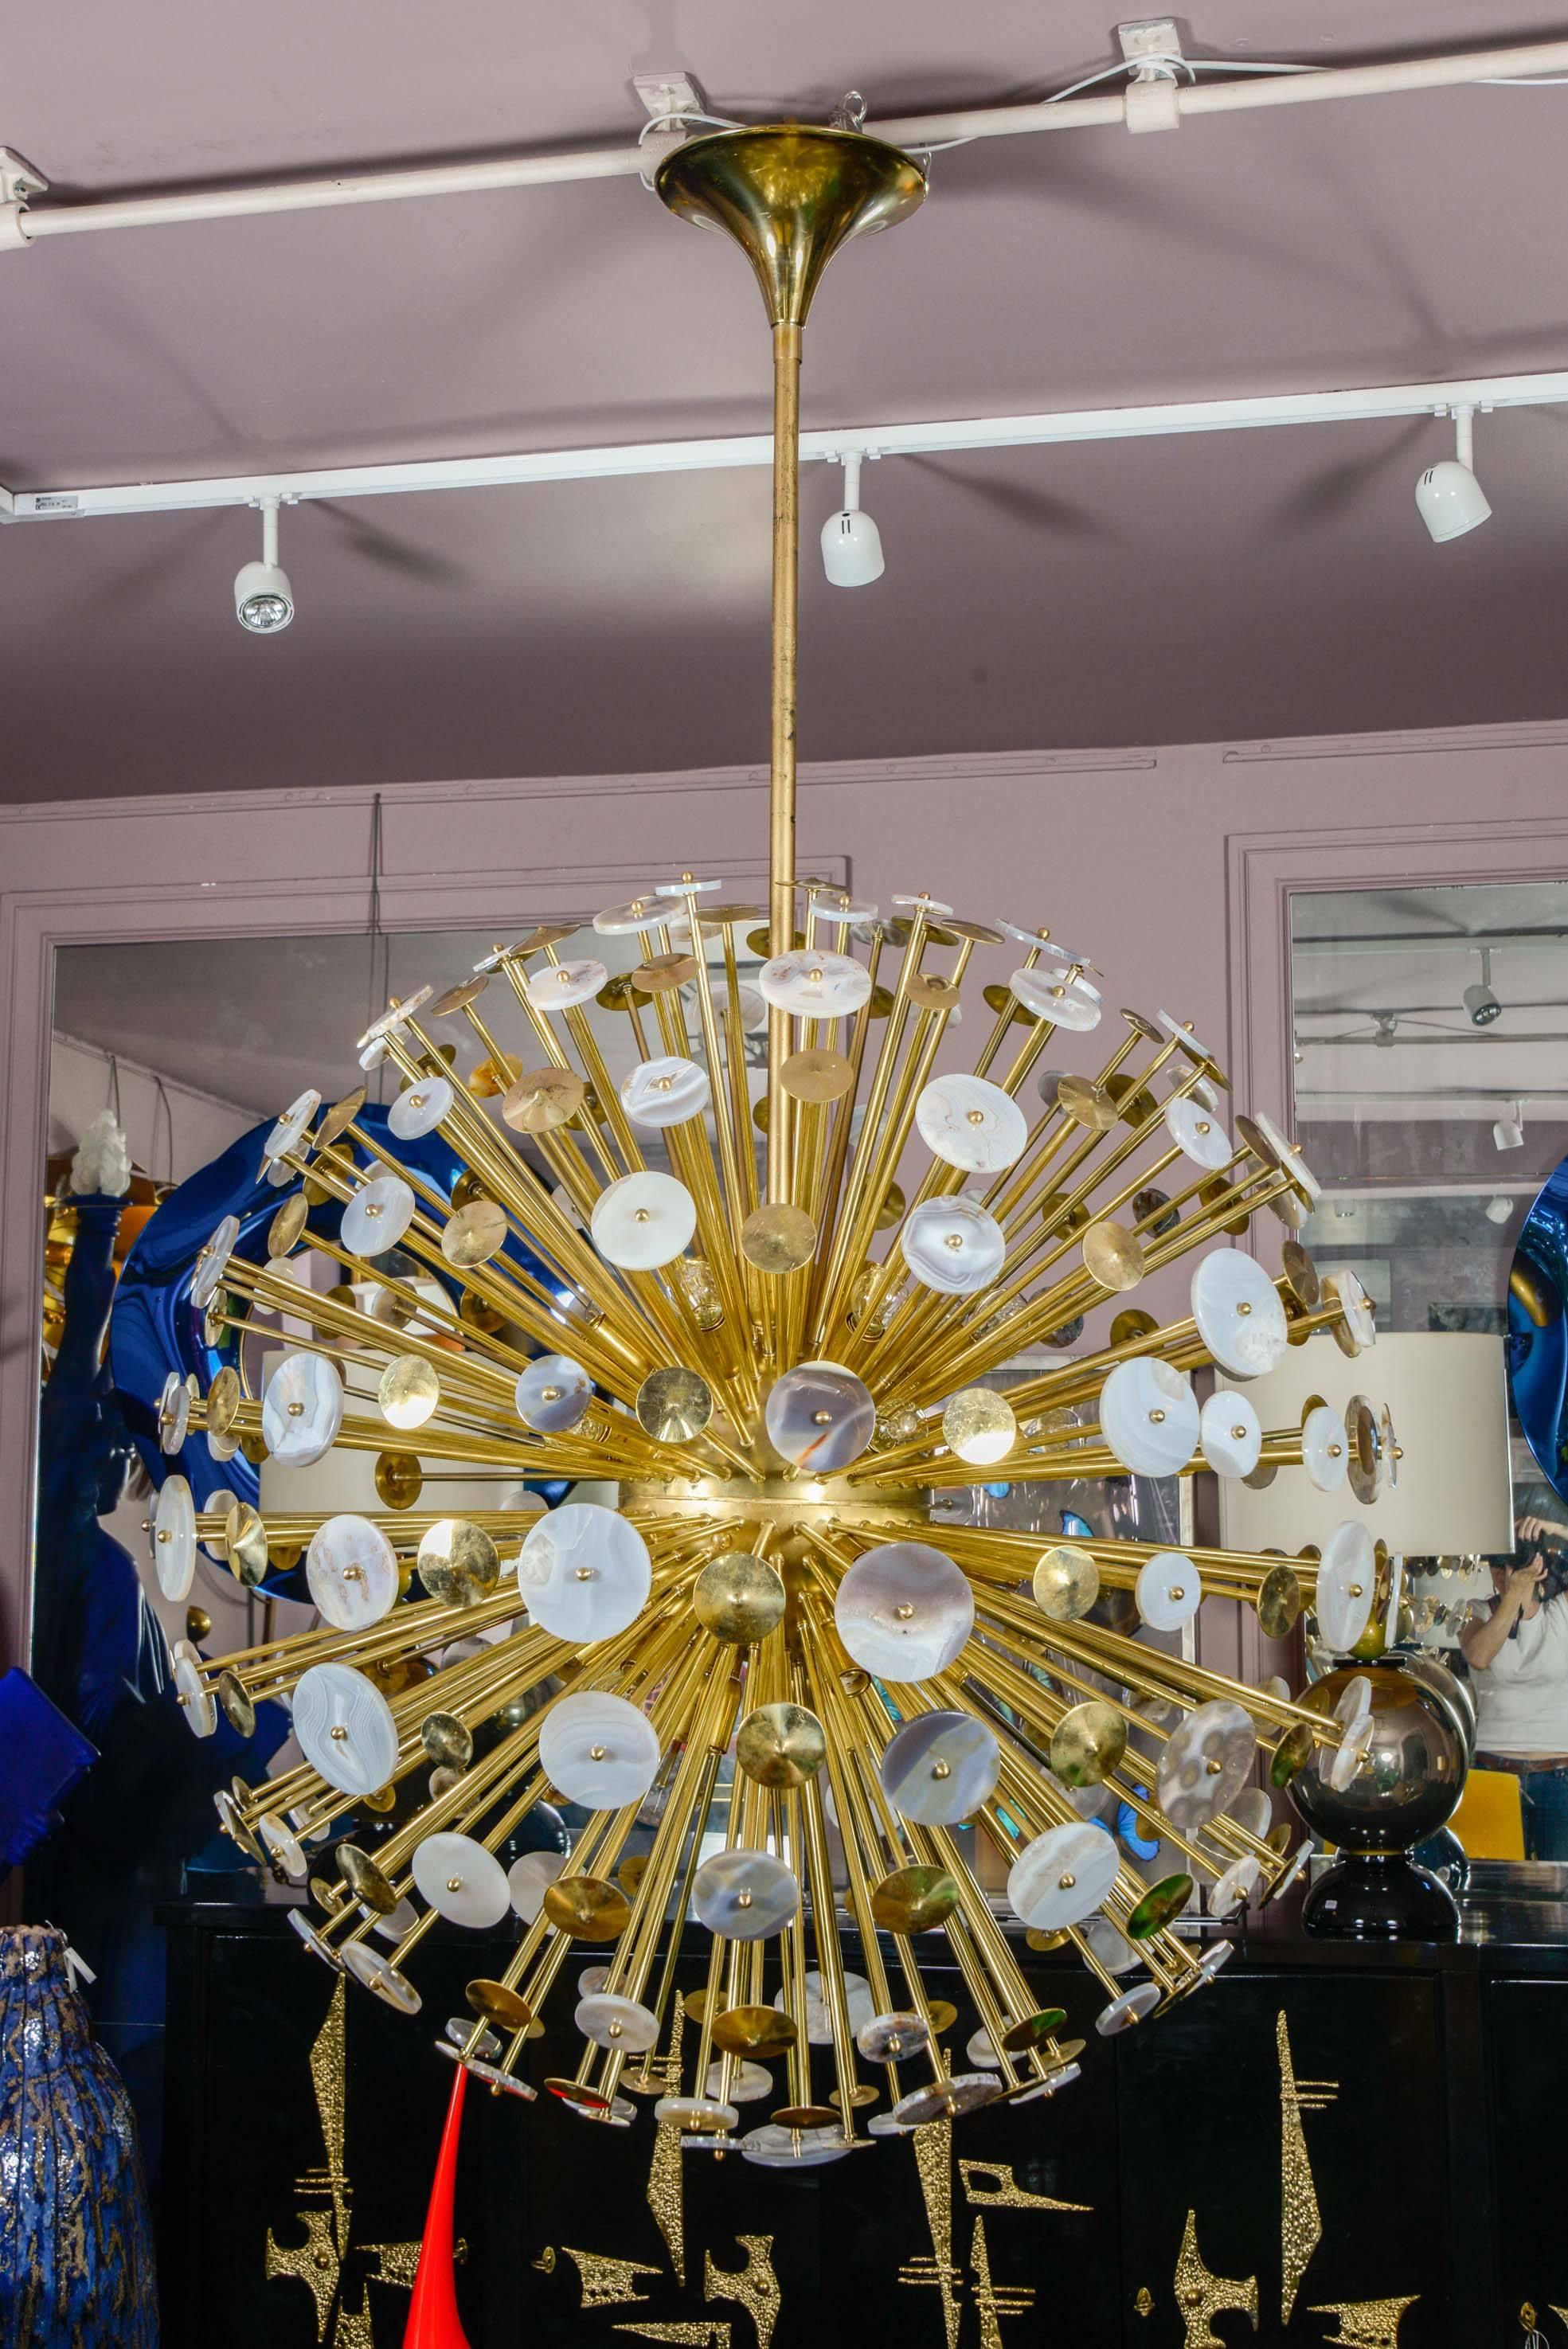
1451 501
1499 1210
1508 1132
263 600
851 549
1481 1005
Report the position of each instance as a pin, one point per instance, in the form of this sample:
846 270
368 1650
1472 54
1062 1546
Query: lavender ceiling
1235 586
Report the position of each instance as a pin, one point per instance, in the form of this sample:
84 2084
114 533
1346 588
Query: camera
1553 1555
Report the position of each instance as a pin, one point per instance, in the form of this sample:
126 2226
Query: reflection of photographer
1519 1656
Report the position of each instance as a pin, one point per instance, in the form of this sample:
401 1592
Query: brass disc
817 1076
929 992
587 1907
1035 1940
674 1404
474 1234
759 943
326 1896
458 1562
976 934
244 1538
1278 1602
339 1117
497 2003
1033 2030
778 1238
1301 1275
806 2116
619 994
458 998
409 1391
284 1557
781 1745
1113 1256
383 1799
1134 1105
999 999
1159 1904
889 1209
739 1598
1280 1838
447 1740
399 1479
762 2031
1086 1104
1132 1322
1058 1214
239 1710
724 918
1087 1743
544 934
695 2005
476 1312
543 1100
282 1231
464 1191
664 973
224 1398
1294 1749
1209 1195
860 2095
1257 1141
630 1872
365 1880
943 2014
913 1900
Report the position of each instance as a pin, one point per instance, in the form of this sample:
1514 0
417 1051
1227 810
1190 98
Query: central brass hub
777 1501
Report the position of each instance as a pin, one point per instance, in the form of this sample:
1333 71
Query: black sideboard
1331 2144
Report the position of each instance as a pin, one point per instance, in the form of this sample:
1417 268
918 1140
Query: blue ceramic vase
75 2241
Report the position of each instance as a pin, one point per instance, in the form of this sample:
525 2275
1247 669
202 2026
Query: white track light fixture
1449 498
263 600
851 542
1508 1133
1480 1003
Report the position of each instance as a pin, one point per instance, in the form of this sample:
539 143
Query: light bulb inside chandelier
779 1368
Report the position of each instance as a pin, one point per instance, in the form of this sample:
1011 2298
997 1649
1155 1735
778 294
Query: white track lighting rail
1148 101
1371 405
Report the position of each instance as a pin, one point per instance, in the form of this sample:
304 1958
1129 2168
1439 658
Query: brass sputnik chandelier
781 1409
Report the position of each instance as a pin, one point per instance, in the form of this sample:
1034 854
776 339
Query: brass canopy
790 194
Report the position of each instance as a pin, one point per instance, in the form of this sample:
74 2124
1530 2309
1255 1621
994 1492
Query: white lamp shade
1449 1397
851 550
1450 499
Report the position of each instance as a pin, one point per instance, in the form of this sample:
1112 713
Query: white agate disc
643 1221
1063 1876
458 1876
1234 1887
584 1572
173 1415
420 1108
1353 1700
904 1611
1193 1046
395 1924
813 983
979 2052
1239 1314
1360 1319
287 1133
1230 1434
1051 992
378 1973
857 1997
598 1750
749 2083
1168 1590
745 1896
212 1262
283 1846
529 1878
1132 2006
1344 1764
1205 1764
1290 1158
969 1122
820 1416
1347 1584
665 1092
197 1702
1326 1453
396 1015
174 1537
1253 1809
952 1246
839 909
619 2023
302 1410
552 1394
378 1215
940 1768
562 986
1149 1416
1198 1133
345 1728
352 1570
636 913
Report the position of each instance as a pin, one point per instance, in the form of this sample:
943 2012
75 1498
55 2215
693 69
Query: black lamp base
1379 1896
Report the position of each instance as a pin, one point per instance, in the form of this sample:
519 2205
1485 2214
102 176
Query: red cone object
433 2320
